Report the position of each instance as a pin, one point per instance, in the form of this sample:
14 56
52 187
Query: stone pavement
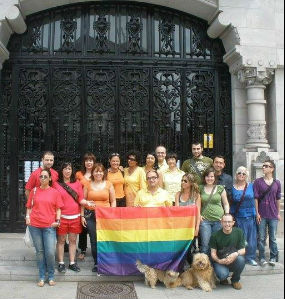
260 286
18 276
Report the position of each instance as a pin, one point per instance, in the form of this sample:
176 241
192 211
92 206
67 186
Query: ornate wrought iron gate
107 77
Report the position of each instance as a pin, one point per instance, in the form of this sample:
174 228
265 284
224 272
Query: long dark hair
60 173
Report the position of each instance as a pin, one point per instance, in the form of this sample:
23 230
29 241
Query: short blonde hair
242 169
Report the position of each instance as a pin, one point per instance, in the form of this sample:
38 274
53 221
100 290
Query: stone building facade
252 33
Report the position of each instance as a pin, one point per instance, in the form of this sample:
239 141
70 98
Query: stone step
17 262
29 273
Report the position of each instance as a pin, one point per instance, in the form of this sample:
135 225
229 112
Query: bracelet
27 217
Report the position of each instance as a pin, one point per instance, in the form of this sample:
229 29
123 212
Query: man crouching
227 251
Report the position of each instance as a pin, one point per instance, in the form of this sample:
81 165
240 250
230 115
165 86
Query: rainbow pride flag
159 237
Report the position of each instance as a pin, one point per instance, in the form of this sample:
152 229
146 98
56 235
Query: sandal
81 256
41 283
52 283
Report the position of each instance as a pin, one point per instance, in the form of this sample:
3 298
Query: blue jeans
206 229
272 230
44 240
223 271
248 226
91 228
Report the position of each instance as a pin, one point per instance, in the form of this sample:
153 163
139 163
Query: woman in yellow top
83 177
151 163
116 177
99 192
171 177
134 178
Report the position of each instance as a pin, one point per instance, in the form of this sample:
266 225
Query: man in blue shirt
222 178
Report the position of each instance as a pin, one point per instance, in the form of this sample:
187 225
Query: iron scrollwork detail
101 26
167 29
134 29
32 39
68 26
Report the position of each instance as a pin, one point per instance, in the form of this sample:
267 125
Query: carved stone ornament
262 157
255 76
257 132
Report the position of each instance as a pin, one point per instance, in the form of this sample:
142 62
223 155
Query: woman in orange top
99 193
83 177
116 177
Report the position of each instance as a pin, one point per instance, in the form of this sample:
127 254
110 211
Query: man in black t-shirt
227 252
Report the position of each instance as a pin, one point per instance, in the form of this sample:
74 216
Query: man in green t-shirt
198 163
227 252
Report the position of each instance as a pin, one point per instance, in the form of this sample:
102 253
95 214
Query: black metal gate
108 77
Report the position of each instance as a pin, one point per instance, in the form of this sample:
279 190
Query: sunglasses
132 159
266 166
241 173
152 178
115 154
44 177
184 181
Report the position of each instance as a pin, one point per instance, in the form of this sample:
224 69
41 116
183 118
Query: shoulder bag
241 201
210 197
196 169
70 191
267 191
27 237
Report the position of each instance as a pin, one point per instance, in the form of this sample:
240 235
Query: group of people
63 204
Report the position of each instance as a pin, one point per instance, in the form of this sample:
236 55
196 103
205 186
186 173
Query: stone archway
219 25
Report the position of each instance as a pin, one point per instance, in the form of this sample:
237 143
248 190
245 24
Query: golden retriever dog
200 274
169 278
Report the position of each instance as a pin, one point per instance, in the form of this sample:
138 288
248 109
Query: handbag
28 238
88 213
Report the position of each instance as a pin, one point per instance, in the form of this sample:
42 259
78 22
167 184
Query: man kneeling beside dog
227 253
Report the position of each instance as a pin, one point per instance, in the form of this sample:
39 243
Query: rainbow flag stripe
159 237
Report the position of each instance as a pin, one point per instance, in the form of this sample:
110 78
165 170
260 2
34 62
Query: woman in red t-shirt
43 217
72 195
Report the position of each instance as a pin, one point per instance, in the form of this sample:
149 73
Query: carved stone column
255 81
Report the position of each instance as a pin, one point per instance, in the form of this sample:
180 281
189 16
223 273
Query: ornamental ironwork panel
107 76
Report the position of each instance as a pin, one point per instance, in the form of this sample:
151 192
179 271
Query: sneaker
41 283
224 282
263 262
52 283
251 262
272 262
61 268
237 285
74 267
